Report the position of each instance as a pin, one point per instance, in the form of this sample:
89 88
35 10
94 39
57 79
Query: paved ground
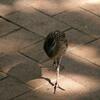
25 70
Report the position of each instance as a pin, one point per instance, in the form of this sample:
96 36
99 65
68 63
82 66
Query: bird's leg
57 79
57 75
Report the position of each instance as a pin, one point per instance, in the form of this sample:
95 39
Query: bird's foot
56 85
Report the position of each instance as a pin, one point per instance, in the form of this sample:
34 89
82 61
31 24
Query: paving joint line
21 26
30 45
75 28
30 30
50 16
41 11
20 95
53 17
90 12
70 28
11 32
20 81
92 41
86 60
73 54
28 57
58 13
32 90
83 57
78 46
30 87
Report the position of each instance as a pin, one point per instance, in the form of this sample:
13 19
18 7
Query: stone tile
18 40
6 27
5 9
82 20
43 90
9 2
94 95
76 38
81 71
73 89
2 75
90 52
92 8
47 77
33 22
75 79
36 84
9 60
20 67
10 88
53 7
50 7
11 6
36 52
28 96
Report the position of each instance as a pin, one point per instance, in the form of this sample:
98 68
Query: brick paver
82 20
18 40
37 22
90 51
76 38
26 73
10 88
46 92
20 67
6 27
81 71
53 7
36 52
92 8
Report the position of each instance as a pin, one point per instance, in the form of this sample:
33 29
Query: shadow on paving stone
80 71
25 71
82 20
22 68
95 95
10 2
30 18
19 66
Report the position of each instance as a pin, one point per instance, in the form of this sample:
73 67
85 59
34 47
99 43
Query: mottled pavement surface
25 70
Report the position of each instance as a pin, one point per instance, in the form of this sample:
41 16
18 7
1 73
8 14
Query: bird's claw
56 85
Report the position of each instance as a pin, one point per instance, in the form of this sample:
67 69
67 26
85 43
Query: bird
55 46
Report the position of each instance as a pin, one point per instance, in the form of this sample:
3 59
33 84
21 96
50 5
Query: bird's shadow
47 79
52 84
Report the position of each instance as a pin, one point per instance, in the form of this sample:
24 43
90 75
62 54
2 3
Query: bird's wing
50 46
53 45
